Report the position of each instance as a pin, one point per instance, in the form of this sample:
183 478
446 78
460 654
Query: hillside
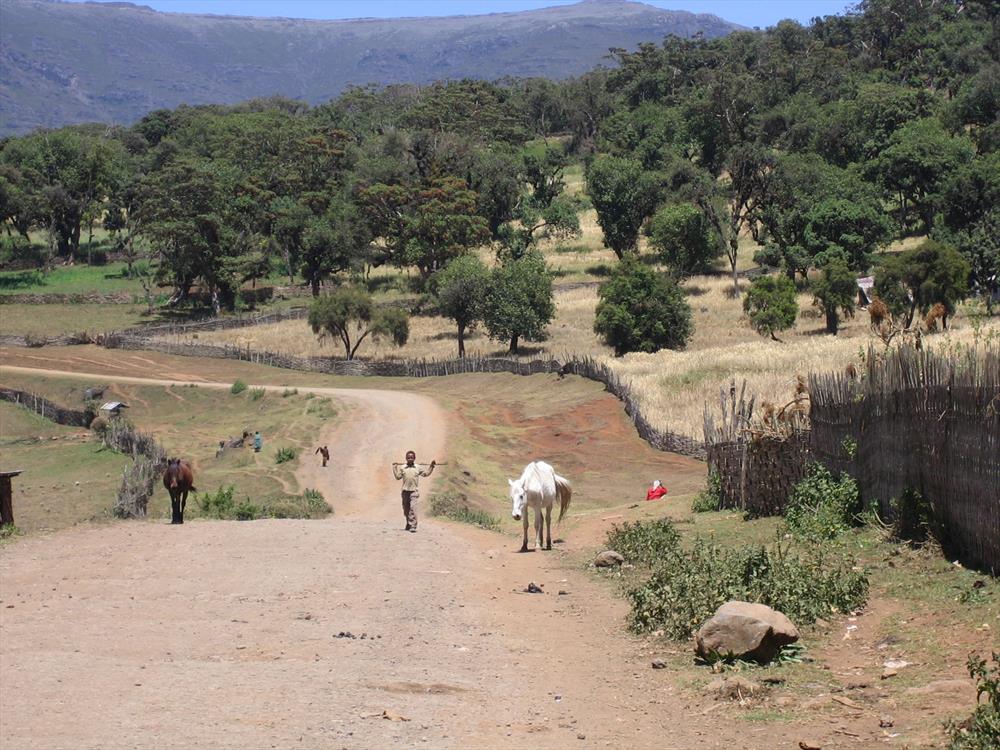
63 63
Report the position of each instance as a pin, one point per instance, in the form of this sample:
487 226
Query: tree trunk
314 283
513 344
832 321
734 246
461 341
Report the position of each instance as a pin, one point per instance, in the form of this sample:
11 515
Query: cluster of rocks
362 637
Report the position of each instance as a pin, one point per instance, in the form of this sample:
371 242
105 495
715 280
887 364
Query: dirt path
225 634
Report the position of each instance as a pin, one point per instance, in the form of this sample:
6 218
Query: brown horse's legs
175 507
183 504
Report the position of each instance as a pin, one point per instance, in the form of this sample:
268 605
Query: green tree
770 305
519 303
332 242
425 226
916 164
834 291
921 277
642 311
349 314
459 290
683 237
623 195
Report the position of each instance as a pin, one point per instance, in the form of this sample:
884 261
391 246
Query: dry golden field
673 387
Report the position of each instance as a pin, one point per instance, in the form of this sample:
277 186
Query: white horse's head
518 498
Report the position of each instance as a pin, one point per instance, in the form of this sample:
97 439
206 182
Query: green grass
60 320
77 279
189 422
456 507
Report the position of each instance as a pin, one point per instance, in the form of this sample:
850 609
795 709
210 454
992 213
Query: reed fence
916 419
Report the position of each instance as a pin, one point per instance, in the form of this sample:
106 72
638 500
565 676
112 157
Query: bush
710 498
822 507
285 454
456 507
256 394
682 236
99 426
237 387
770 305
223 505
645 542
642 311
982 730
687 588
912 519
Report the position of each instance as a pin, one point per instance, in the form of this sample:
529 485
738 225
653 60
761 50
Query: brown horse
179 481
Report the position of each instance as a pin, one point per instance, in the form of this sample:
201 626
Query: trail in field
342 633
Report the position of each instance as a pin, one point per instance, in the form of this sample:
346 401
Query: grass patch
256 394
284 454
8 531
237 387
644 542
223 505
457 508
76 279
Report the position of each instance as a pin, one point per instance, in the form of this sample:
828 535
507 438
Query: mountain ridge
63 63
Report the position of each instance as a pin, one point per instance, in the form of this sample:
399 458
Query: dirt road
228 634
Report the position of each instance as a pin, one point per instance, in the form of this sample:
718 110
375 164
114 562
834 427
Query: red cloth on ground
655 493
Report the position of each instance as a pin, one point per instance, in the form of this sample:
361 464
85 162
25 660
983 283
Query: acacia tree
350 315
770 305
623 195
459 290
519 303
425 226
642 311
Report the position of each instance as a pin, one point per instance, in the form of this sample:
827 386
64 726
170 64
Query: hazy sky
746 12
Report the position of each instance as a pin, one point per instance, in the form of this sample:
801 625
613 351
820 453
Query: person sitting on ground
656 491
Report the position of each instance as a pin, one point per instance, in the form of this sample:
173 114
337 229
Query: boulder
608 559
744 630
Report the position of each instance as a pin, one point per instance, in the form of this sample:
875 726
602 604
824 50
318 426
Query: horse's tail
565 492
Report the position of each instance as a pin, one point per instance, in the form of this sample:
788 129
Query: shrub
710 498
99 426
982 730
456 507
237 387
289 392
285 454
822 507
770 305
912 519
256 394
642 311
9 531
645 542
687 588
683 237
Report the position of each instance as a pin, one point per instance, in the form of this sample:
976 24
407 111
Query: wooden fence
48 409
586 367
924 421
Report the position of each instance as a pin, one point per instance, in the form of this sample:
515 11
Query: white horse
538 487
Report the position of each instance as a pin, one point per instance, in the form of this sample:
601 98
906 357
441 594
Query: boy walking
410 475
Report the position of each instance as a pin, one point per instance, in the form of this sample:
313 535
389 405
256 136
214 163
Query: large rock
745 631
608 559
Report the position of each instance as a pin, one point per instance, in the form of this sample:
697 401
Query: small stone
659 664
534 588
885 722
887 673
581 736
784 701
809 745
